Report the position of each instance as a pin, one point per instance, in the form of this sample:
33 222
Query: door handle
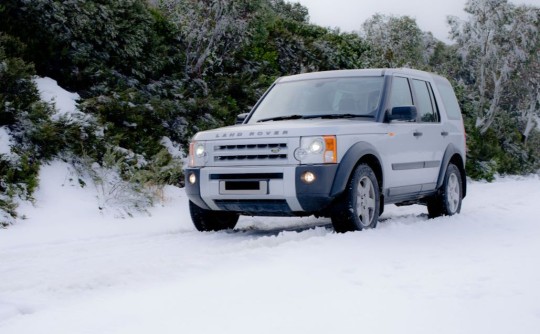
444 133
417 133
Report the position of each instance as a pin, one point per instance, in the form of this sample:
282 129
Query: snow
65 102
69 268
5 139
174 149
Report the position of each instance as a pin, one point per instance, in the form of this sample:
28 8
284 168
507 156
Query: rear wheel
207 220
360 209
447 202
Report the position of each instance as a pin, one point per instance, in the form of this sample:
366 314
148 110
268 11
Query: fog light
308 177
192 178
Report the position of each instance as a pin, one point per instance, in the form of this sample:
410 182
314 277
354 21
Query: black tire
361 202
447 201
207 220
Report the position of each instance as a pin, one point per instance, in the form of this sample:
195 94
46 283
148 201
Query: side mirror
404 113
241 118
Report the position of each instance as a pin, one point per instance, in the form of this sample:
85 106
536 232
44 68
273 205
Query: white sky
349 15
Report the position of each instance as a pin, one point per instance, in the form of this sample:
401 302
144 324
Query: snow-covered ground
68 268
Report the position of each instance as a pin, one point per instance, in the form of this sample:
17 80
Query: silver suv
338 144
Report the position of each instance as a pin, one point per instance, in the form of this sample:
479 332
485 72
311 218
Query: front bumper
282 191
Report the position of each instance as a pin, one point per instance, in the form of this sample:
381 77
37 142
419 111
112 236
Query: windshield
324 98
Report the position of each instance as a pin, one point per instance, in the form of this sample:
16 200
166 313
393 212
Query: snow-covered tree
527 26
211 30
496 41
395 41
84 43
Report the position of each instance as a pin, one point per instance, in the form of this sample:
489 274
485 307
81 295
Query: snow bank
67 207
64 101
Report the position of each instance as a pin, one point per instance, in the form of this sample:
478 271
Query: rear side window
449 99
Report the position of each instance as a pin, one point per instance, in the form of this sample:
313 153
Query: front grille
248 147
253 152
252 157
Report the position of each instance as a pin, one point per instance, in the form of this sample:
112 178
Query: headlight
320 149
199 150
316 146
197 154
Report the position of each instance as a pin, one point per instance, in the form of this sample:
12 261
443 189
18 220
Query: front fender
349 163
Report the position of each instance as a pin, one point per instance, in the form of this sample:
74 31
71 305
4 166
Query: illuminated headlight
199 150
316 146
316 150
197 154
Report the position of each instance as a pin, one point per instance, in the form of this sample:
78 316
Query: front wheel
207 220
447 202
360 209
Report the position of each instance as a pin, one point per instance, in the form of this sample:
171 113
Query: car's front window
321 98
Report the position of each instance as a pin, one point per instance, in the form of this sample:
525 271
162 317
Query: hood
293 128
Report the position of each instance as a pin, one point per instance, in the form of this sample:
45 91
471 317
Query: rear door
433 138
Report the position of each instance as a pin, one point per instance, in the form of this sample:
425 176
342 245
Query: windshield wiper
339 116
280 118
328 116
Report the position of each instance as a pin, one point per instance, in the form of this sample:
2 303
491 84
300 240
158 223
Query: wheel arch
452 155
358 153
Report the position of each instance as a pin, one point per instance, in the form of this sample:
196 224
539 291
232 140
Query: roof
357 73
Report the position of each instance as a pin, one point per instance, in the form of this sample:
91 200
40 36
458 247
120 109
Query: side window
401 93
449 99
424 101
434 103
